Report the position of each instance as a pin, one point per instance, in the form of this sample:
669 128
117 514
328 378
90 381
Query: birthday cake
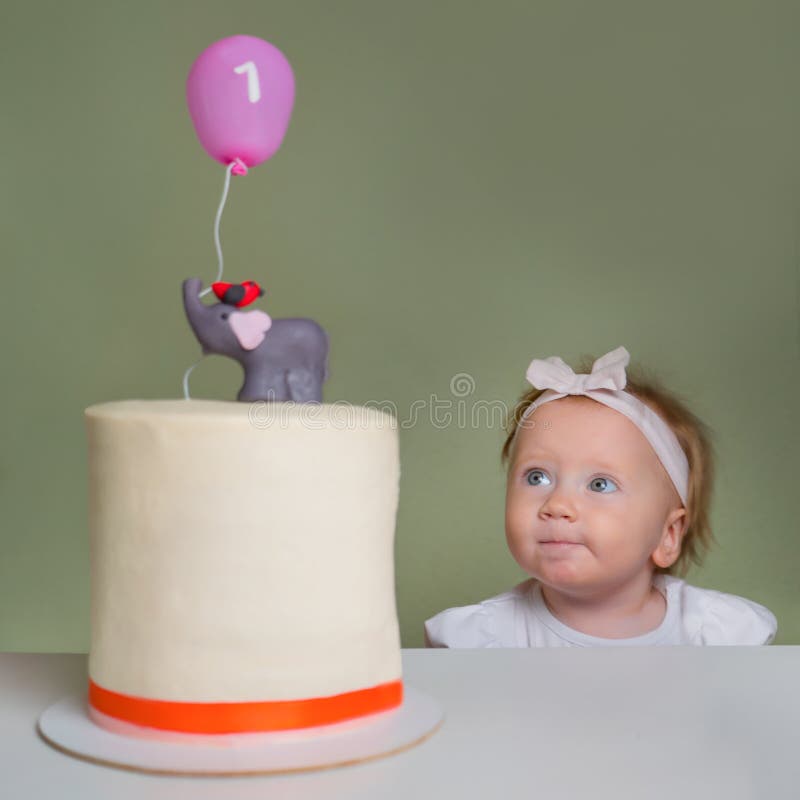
242 573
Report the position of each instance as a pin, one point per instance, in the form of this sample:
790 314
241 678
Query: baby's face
583 473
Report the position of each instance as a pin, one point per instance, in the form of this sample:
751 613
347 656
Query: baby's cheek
519 521
617 520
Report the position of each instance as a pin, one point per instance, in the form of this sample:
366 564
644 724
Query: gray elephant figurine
283 359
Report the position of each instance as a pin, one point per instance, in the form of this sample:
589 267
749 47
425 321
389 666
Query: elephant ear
250 327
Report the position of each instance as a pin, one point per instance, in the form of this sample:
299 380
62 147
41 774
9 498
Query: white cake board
68 726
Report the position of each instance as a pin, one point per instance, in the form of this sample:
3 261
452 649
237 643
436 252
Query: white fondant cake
241 554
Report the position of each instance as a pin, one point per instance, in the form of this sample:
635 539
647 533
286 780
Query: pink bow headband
605 384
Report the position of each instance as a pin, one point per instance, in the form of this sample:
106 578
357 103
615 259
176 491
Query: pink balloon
240 92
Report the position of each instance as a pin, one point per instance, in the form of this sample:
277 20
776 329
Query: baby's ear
669 548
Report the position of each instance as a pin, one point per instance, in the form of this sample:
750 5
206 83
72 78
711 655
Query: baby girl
607 503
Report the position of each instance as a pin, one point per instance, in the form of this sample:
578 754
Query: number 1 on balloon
253 86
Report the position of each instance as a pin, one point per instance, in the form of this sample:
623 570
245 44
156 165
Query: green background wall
463 187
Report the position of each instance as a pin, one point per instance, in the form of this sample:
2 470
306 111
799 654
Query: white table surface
647 722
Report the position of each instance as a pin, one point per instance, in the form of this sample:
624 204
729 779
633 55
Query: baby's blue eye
530 477
602 481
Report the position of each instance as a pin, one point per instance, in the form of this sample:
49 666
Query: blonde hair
694 436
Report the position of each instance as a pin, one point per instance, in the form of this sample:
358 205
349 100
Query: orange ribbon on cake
248 717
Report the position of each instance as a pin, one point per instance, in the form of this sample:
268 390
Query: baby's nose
558 505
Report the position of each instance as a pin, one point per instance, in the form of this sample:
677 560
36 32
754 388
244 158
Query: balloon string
186 380
218 245
216 223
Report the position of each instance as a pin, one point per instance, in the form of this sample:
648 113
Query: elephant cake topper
240 93
283 359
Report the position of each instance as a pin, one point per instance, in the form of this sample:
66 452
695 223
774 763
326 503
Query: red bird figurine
237 294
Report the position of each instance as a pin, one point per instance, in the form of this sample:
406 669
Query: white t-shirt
520 618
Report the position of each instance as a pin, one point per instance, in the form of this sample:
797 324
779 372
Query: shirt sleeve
462 627
732 620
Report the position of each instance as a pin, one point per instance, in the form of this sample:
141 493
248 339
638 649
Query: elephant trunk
195 310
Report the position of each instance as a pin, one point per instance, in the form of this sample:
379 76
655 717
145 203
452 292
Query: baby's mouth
560 543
